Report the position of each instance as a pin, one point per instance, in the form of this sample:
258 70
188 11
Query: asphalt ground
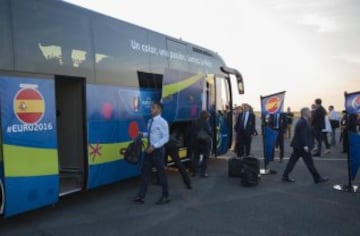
217 205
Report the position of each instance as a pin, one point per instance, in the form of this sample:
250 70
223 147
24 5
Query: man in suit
279 124
245 128
318 123
302 144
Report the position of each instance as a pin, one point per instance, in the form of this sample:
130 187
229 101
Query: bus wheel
2 197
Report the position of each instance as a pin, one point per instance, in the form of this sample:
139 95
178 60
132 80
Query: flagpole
266 170
263 171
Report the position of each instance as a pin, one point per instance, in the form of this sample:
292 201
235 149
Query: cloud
323 24
352 58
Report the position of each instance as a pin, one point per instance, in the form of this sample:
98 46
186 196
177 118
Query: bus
75 88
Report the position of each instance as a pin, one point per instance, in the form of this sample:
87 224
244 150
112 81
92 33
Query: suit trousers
296 154
243 144
156 158
174 153
280 143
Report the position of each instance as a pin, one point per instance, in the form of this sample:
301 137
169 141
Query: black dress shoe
162 200
188 186
204 175
317 155
139 199
321 180
287 179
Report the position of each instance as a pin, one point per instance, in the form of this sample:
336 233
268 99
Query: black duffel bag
250 172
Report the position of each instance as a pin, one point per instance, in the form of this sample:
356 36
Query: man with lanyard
158 136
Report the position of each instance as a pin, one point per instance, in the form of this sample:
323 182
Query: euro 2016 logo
29 104
273 104
355 103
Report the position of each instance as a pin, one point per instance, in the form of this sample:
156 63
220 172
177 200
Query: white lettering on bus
148 48
22 128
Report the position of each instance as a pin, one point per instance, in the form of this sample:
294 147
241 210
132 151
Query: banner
270 137
270 105
352 106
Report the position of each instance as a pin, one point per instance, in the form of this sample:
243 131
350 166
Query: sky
308 48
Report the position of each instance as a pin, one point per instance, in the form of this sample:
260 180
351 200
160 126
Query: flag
352 106
352 102
270 105
354 153
270 137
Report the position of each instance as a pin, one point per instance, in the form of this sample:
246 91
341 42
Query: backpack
134 151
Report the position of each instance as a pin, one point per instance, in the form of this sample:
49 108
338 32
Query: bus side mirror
240 84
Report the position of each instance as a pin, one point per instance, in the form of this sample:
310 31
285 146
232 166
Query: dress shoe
204 175
162 200
321 180
287 179
317 155
188 186
139 199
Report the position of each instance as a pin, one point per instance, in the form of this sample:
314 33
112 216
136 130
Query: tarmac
217 205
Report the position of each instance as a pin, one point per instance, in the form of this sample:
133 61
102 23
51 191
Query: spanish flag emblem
273 104
29 105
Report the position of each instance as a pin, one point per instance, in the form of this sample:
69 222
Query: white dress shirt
158 131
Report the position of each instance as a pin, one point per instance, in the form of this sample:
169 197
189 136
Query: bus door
223 116
71 133
29 159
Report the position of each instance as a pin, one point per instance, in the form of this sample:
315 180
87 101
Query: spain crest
29 104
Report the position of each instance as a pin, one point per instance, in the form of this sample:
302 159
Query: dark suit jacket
282 121
303 135
250 125
318 118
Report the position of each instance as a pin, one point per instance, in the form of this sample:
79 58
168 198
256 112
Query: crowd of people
313 127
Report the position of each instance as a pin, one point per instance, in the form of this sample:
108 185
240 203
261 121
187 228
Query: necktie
149 130
277 120
246 119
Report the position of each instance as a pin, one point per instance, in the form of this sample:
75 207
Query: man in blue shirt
158 136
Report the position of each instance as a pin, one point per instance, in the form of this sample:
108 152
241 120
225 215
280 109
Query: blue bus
75 88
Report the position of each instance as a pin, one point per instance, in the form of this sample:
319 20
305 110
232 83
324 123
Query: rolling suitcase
234 167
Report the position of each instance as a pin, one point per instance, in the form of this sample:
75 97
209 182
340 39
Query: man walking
302 144
158 136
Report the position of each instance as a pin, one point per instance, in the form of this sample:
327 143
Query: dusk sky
309 48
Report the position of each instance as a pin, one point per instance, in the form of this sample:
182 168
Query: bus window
6 58
123 50
59 44
158 61
177 55
222 94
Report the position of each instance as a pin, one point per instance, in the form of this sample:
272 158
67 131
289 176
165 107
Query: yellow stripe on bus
173 88
26 161
27 106
100 153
